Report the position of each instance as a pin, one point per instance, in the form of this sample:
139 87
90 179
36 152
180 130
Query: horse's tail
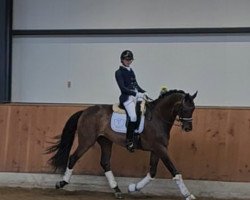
64 144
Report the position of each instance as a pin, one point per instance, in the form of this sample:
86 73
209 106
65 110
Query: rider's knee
133 118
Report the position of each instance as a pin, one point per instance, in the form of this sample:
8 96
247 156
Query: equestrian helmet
127 54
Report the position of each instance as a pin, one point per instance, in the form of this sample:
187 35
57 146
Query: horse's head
184 110
174 104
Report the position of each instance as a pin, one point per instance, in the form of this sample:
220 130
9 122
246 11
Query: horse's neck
166 105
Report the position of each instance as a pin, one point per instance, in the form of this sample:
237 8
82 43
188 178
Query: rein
147 98
148 115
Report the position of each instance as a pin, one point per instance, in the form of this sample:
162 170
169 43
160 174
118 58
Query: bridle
181 111
179 117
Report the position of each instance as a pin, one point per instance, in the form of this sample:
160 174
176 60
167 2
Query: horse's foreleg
106 148
176 175
150 176
179 181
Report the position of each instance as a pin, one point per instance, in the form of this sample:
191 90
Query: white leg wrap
111 179
184 191
141 184
67 175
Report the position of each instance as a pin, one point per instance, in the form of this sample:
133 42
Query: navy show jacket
127 83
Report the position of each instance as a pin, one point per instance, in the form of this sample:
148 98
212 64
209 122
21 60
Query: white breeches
130 108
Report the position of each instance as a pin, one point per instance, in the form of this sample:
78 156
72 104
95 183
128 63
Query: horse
93 125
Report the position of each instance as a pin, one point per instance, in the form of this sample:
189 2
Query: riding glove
140 95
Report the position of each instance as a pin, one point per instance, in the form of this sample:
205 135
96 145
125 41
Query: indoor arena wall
216 149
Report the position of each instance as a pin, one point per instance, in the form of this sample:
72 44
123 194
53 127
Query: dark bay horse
93 124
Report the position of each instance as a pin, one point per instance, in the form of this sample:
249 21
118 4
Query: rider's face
127 62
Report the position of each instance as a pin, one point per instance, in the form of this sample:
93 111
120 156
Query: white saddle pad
118 123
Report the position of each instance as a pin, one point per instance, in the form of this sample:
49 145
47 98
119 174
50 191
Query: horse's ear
187 97
194 95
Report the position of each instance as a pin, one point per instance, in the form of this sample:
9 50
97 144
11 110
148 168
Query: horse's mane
163 95
169 92
150 105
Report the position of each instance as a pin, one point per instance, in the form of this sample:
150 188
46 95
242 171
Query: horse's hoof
61 184
118 195
132 188
190 197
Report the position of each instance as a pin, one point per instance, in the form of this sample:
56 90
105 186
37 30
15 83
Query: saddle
118 109
119 118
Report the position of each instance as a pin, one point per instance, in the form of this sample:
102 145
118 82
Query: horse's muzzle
187 127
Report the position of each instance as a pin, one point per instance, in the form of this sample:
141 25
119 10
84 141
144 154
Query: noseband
180 113
183 119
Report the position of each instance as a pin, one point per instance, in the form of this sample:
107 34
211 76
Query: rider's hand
139 95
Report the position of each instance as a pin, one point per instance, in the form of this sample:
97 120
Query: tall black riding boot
130 136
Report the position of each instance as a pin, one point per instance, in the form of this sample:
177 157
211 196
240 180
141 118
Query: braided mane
163 95
169 92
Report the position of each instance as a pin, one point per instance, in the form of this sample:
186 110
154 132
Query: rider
131 92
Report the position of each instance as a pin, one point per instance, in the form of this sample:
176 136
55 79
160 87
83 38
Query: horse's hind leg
81 149
106 148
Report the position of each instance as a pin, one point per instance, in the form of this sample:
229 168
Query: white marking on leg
111 179
184 191
67 175
141 184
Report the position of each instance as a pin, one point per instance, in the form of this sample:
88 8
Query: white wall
87 14
215 65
